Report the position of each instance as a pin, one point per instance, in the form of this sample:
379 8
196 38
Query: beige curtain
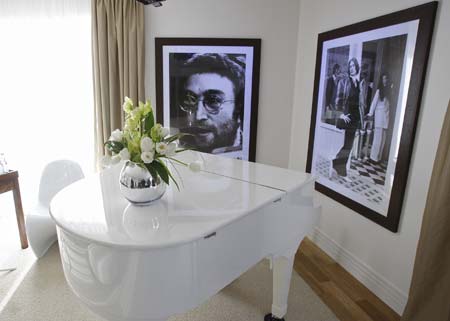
118 47
429 296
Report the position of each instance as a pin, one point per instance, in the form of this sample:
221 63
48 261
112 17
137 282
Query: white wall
389 256
276 22
289 30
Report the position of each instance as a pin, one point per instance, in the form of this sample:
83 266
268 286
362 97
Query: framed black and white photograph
208 89
368 86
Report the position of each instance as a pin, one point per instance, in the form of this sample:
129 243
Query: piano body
147 263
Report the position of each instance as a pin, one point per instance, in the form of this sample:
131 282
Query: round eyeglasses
212 102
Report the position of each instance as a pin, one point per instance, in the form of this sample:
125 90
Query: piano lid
94 209
255 173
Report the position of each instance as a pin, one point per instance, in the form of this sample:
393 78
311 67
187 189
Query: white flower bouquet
145 143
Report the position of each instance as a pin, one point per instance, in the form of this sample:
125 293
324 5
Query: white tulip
147 157
124 154
161 148
116 135
171 149
147 145
195 166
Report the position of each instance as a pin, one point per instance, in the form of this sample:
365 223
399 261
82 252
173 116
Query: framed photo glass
368 86
208 89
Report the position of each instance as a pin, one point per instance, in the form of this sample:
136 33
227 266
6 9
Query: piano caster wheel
270 317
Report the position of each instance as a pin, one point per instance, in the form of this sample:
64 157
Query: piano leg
282 271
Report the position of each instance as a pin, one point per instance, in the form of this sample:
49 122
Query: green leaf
114 146
174 167
168 172
162 170
172 138
177 161
173 179
175 137
149 122
152 171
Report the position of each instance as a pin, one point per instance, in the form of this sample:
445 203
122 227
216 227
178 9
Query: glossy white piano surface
148 263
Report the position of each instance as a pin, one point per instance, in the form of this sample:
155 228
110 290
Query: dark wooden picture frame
177 59
350 177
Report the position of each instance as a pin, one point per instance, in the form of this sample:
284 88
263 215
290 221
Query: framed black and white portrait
208 89
367 92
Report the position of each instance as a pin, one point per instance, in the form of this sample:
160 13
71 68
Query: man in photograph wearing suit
365 132
347 100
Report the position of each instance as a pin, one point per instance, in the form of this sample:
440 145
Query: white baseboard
386 291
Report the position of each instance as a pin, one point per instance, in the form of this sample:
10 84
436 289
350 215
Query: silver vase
138 186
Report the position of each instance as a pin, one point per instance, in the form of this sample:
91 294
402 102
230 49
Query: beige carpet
10 280
11 254
44 296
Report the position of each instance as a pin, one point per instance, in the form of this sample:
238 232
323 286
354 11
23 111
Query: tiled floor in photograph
365 179
374 172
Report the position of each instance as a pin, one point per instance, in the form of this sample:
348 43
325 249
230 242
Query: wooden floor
338 289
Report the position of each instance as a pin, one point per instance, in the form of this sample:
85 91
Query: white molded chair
41 229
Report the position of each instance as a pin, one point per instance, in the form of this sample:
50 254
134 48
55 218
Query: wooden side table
10 182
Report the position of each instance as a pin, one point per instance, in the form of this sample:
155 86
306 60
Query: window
46 91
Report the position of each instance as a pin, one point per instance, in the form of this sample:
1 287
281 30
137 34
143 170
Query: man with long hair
348 100
212 99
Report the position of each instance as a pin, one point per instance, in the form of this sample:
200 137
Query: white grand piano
129 263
